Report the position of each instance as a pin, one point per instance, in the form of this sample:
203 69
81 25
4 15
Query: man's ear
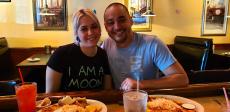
105 26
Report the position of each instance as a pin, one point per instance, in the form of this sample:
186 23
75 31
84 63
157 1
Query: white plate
199 107
89 101
39 107
33 59
96 102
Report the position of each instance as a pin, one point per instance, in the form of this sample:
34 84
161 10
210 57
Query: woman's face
88 32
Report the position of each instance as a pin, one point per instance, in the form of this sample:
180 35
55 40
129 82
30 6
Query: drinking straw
138 81
226 97
20 74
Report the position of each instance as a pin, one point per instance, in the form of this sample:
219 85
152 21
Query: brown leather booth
209 76
7 68
193 53
8 75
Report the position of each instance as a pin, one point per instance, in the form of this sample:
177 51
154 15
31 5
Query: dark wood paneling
217 46
30 74
222 46
20 54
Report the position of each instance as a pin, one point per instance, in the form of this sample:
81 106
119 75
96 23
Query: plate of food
171 103
75 104
43 103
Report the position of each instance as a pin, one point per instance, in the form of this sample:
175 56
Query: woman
81 65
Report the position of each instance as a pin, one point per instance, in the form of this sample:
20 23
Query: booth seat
7 68
193 53
209 76
8 75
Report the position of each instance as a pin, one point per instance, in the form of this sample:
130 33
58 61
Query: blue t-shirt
153 55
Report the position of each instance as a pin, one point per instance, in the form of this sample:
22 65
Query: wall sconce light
148 10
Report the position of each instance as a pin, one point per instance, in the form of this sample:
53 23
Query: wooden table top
210 104
225 53
207 95
42 62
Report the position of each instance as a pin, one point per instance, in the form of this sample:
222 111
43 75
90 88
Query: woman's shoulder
100 49
67 47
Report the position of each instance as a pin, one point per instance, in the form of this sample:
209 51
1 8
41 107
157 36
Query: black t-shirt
80 72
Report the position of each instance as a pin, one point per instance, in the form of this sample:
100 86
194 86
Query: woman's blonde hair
78 15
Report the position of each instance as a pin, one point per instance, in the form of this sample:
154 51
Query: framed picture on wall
214 18
5 0
136 9
50 14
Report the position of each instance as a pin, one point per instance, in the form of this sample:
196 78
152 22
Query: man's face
118 23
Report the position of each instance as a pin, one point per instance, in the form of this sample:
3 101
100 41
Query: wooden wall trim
19 54
222 46
217 46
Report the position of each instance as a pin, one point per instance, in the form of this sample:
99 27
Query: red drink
26 96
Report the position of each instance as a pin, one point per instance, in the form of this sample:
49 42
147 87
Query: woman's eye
83 29
94 27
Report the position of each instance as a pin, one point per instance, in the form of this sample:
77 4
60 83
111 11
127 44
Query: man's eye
122 20
109 22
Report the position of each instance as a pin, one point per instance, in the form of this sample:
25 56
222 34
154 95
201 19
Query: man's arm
175 77
53 80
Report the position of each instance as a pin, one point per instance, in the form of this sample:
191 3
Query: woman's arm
53 80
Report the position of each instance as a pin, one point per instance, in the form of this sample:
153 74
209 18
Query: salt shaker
48 49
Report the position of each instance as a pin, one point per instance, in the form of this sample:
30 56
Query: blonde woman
81 65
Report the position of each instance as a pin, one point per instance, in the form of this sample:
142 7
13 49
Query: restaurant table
42 62
208 95
34 71
221 59
225 53
210 104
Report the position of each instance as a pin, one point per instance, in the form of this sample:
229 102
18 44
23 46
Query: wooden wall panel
222 46
20 54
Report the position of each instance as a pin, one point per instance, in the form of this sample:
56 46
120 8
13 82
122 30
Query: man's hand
128 84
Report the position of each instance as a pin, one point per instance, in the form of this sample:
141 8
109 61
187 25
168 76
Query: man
124 44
